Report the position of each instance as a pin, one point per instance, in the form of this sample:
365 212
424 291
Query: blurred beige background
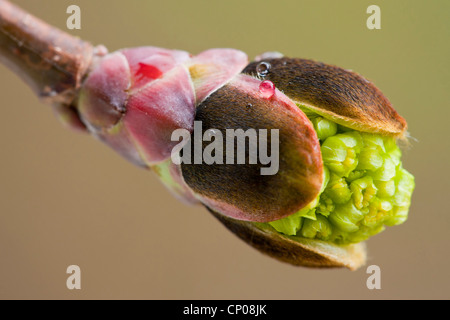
67 199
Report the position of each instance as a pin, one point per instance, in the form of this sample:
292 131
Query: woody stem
52 62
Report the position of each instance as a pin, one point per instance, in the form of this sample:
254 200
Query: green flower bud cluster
365 187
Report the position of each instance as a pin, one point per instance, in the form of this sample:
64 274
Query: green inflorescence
365 187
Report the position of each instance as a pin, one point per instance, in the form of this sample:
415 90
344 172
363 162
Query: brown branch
52 62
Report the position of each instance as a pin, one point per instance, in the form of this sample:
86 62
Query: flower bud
339 179
365 187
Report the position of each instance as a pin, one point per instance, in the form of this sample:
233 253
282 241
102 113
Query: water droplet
263 68
267 89
249 105
56 58
147 71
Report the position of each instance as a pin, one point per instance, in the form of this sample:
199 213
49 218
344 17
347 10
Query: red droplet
267 89
147 72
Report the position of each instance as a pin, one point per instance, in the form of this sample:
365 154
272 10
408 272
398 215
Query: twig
52 62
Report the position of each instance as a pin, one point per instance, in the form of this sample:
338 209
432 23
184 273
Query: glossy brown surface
342 95
240 190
